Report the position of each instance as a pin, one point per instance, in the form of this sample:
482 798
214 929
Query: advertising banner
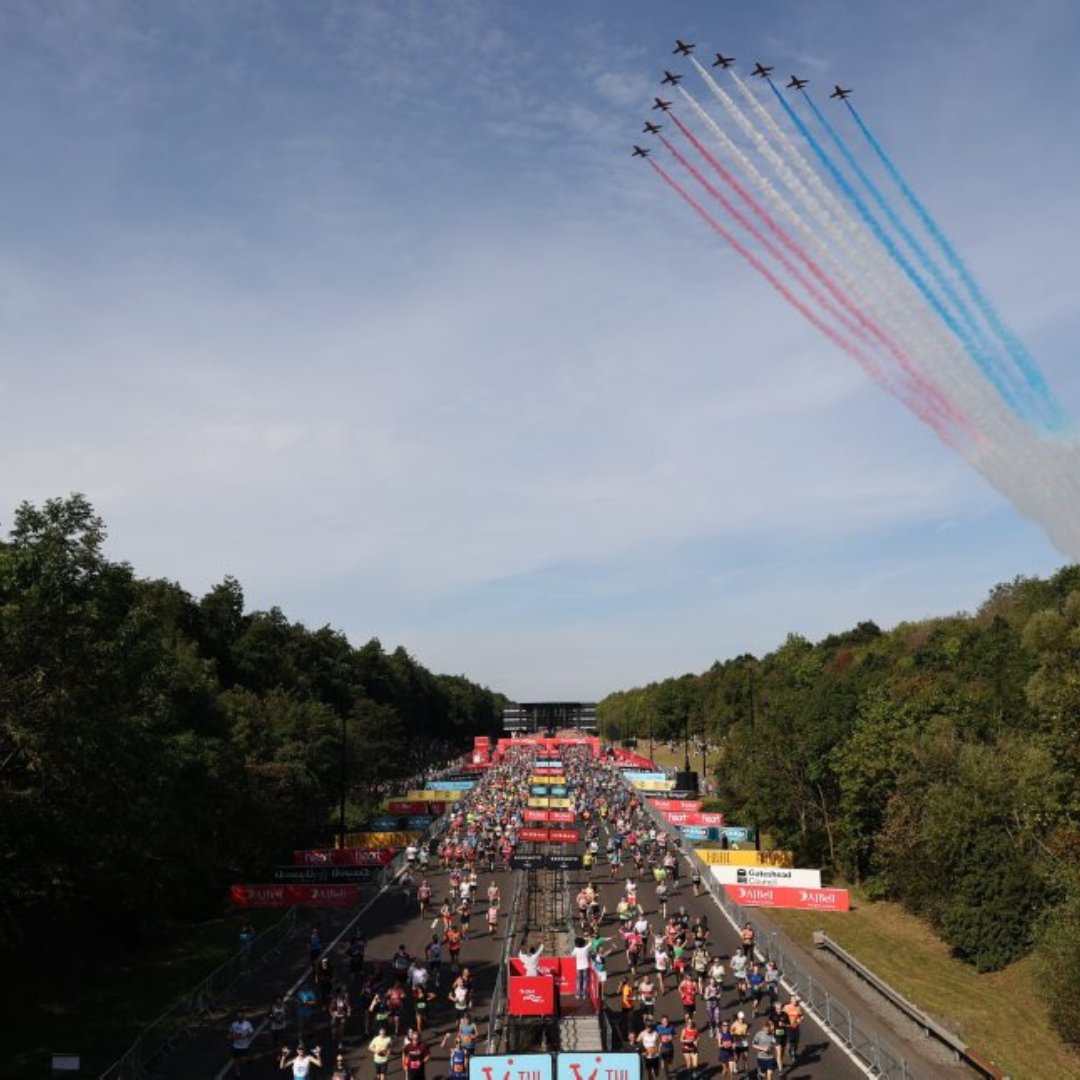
549 836
767 875
562 862
539 804
325 875
386 824
558 790
698 833
780 897
654 785
426 795
716 857
537 815
550 777
690 806
249 896
450 785
597 1065
560 804
539 790
635 776
527 862
680 817
510 1067
375 841
415 806
531 995
565 817
342 857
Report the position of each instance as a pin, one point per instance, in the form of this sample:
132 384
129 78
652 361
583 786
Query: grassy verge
96 1003
987 1011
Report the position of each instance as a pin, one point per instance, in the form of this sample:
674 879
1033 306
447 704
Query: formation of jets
762 71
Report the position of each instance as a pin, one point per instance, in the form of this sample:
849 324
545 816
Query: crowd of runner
681 993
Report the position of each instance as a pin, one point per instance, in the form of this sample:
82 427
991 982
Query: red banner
536 815
567 817
547 770
343 857
563 967
676 817
531 995
275 896
689 806
404 807
790 897
550 836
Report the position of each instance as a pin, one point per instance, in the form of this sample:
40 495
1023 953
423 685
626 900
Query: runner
340 1009
415 1055
689 1041
740 1032
380 1048
794 1014
241 1034
727 1049
765 1049
649 1047
667 1031
301 1061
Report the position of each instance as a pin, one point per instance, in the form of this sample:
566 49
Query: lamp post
686 741
753 734
344 780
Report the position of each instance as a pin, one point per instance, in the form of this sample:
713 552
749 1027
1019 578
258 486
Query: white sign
767 875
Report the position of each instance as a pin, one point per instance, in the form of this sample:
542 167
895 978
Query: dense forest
154 746
937 764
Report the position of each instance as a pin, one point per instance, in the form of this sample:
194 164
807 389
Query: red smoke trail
920 386
918 406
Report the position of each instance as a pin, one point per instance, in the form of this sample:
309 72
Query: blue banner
511 1067
450 785
735 834
539 790
633 774
597 1066
391 824
418 821
559 790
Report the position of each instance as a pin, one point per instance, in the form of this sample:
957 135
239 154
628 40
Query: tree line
936 764
155 746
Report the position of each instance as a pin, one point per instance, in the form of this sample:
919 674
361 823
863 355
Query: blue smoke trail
886 241
1012 343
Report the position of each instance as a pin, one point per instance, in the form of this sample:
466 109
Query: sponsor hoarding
767 875
342 857
539 790
510 1067
597 1065
549 836
415 806
374 841
450 785
562 862
537 815
735 834
558 790
250 896
386 824
782 897
325 875
691 806
636 776
654 785
527 862
716 857
678 817
566 817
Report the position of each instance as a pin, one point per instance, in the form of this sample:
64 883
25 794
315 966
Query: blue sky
366 304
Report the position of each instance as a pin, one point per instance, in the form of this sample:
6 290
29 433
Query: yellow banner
549 804
427 795
717 857
653 785
376 841
548 780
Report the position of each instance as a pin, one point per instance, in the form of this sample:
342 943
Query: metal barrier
208 1003
877 1056
203 1005
497 1014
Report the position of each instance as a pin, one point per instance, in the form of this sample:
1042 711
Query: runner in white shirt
241 1034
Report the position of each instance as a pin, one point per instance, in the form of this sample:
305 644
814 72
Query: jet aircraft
670 79
682 48
651 129
659 103
640 151
761 70
723 61
840 93
797 83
